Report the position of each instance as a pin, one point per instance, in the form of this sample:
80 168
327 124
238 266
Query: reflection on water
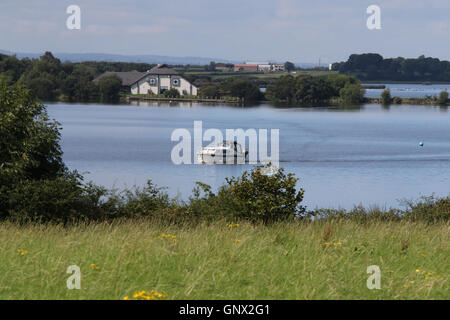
368 155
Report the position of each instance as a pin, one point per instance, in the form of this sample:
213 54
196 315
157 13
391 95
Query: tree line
49 79
372 66
306 89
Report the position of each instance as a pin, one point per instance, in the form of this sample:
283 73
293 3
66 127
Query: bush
59 200
386 97
211 91
109 89
443 97
397 100
172 93
255 196
351 94
243 89
429 209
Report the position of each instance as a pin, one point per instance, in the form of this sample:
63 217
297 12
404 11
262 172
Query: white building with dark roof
154 81
160 79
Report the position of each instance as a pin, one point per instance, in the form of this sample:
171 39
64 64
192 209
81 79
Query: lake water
408 90
343 157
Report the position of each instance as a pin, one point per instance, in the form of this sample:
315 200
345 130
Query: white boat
227 152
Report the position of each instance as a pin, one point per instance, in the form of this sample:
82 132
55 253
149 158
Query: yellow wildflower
233 225
94 266
169 236
152 295
22 252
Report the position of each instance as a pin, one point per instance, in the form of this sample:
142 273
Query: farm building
160 79
245 67
154 81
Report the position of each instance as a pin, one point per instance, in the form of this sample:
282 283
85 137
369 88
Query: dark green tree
289 66
386 98
443 97
243 89
109 89
211 91
351 94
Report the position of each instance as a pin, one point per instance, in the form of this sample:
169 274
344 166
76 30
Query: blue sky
295 30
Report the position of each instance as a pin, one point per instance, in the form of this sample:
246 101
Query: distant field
258 75
219 261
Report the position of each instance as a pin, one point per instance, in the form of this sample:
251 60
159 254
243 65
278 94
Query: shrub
386 97
109 89
211 91
172 93
443 97
429 209
254 196
59 200
351 94
397 100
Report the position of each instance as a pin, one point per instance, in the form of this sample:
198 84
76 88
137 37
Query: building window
152 81
176 82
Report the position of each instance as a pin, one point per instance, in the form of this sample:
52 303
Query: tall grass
286 260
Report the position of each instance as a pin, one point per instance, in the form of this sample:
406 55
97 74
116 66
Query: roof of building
128 78
245 65
162 69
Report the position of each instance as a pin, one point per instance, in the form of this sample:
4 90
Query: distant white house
160 79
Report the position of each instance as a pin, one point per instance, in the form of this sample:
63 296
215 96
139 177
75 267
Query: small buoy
420 144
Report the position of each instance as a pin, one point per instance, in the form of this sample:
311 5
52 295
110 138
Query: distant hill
151 59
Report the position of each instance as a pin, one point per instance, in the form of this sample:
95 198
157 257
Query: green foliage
397 100
59 200
289 66
254 196
243 89
386 97
429 209
282 90
443 97
172 93
306 89
371 66
78 86
351 94
34 182
109 89
211 91
28 139
49 79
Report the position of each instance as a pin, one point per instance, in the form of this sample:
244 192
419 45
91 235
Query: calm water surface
409 90
343 157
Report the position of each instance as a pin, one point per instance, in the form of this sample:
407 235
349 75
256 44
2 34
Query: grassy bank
290 260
